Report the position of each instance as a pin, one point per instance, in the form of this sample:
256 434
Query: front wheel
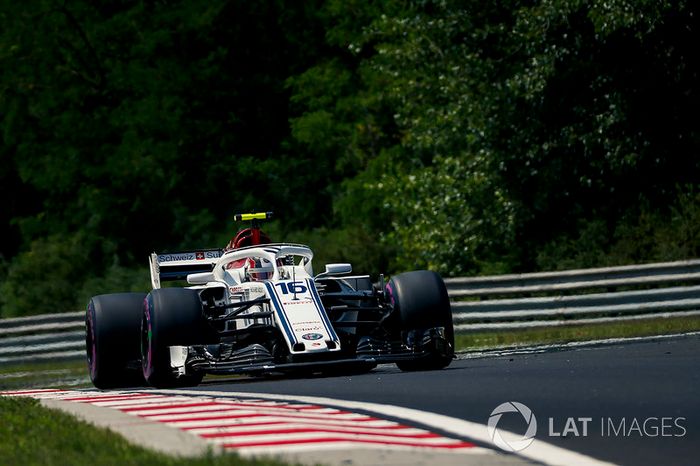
171 317
422 306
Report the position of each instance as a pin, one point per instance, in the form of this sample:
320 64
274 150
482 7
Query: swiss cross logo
200 256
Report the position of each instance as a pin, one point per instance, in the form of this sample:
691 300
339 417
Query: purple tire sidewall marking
92 361
147 363
390 292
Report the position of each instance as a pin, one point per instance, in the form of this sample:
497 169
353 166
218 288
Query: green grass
571 333
68 374
33 435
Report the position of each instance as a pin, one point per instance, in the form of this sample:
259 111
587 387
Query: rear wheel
112 326
171 317
421 303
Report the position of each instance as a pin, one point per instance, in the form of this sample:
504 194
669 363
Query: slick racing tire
421 303
112 334
170 316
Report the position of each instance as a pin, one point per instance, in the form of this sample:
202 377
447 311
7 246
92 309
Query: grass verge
571 333
59 374
33 435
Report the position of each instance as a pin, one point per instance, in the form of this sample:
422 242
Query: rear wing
177 265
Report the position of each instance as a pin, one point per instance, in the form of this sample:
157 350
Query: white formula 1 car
257 308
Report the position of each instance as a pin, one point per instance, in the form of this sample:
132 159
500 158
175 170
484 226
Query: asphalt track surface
631 381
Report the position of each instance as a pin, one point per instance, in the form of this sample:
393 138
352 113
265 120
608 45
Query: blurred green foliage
456 136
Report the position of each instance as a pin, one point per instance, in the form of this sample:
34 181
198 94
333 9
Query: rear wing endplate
177 265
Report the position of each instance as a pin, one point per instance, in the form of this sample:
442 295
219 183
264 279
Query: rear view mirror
200 278
336 269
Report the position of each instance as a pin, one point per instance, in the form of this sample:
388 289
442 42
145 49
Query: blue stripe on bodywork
280 312
321 310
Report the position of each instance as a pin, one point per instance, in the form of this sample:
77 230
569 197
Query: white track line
235 412
252 421
32 393
398 431
200 408
348 445
155 401
266 438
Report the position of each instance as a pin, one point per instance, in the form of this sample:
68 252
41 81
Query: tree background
456 136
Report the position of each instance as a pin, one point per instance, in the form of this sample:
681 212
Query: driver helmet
248 237
259 269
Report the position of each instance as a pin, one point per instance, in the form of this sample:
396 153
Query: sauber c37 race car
256 307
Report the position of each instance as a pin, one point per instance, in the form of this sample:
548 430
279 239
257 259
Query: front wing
255 359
